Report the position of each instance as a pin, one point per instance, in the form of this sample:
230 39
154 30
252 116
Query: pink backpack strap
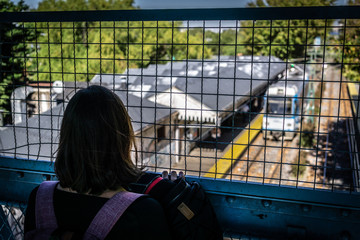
109 214
44 206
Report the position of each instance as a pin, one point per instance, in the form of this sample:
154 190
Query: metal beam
273 13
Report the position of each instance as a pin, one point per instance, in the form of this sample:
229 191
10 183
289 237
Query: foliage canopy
350 57
14 52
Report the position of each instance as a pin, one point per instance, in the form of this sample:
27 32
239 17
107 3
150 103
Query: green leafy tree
14 52
83 5
79 50
282 38
223 43
351 52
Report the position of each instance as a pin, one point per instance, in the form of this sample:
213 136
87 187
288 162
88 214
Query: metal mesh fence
266 101
12 221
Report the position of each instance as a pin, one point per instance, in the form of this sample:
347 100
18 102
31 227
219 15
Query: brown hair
96 138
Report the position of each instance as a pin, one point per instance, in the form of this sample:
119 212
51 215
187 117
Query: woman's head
96 139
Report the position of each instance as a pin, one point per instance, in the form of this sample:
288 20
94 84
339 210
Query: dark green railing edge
285 13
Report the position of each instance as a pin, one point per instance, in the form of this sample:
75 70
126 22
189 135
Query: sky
167 4
148 4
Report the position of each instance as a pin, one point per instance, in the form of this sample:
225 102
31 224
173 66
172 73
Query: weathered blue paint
20 176
263 210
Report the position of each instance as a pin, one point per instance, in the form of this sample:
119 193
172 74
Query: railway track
262 162
327 164
275 170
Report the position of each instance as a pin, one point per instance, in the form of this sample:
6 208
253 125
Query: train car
284 104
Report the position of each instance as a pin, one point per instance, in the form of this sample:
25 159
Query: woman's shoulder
30 211
147 214
34 191
146 204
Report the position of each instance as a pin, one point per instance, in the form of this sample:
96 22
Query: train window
279 106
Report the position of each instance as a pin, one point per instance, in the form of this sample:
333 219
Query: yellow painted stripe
223 165
353 91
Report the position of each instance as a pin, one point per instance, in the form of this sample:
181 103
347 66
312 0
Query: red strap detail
152 184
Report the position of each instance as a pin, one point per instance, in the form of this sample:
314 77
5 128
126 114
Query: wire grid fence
263 101
13 215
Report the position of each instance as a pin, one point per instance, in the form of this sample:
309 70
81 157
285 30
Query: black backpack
188 210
